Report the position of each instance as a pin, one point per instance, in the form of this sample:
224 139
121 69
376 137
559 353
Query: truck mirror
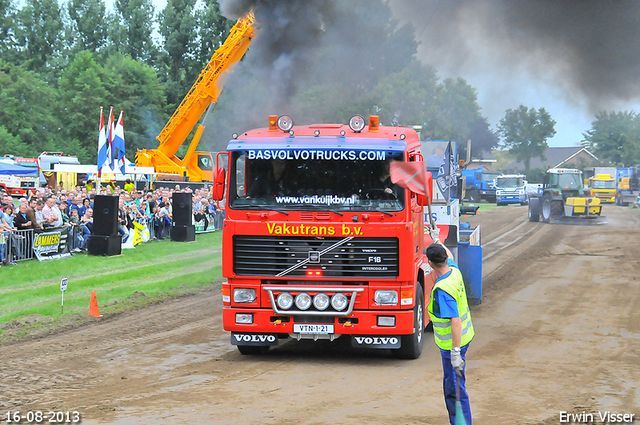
218 183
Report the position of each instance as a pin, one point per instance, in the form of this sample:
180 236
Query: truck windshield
608 184
509 182
489 177
569 181
316 184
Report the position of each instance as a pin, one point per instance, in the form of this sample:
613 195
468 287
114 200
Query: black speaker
184 233
105 215
104 245
182 209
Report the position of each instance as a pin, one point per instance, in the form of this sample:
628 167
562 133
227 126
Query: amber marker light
226 295
374 124
273 123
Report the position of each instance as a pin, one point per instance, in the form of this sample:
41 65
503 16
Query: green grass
484 205
159 269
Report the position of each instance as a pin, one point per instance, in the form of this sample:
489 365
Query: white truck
511 189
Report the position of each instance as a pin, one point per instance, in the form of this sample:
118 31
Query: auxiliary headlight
244 295
303 301
285 300
246 318
339 301
321 301
386 297
386 320
356 123
285 123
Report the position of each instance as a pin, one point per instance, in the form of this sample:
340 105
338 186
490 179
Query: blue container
470 262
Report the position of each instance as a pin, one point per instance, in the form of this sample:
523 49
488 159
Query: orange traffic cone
93 306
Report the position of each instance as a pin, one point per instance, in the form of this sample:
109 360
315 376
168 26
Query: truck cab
511 189
603 187
480 184
318 243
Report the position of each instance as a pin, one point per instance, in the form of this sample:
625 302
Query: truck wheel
534 210
253 349
411 345
473 195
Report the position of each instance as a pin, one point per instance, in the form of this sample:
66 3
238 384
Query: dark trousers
449 386
199 217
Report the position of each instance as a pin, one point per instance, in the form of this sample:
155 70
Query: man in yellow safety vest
452 327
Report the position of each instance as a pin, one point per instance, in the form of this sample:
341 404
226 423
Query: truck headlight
303 301
356 123
384 297
321 301
285 123
285 300
339 301
244 295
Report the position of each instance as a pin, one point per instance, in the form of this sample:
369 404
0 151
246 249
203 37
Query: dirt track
558 330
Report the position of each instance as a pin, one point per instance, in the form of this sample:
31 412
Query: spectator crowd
48 208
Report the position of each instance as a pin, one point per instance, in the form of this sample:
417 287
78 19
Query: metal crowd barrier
18 246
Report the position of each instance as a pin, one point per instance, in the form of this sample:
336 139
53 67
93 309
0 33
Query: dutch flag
118 143
110 140
103 147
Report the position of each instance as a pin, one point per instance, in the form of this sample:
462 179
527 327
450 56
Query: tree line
60 62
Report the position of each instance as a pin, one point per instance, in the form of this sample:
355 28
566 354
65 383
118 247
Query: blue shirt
445 306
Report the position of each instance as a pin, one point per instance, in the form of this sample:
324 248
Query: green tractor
563 198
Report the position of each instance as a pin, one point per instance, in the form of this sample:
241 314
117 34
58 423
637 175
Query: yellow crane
197 166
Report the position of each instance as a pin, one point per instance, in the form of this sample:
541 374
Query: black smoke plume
588 49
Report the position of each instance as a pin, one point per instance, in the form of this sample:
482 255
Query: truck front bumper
359 322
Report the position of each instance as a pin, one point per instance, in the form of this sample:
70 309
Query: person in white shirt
51 213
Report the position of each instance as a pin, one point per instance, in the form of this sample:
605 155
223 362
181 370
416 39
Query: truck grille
371 258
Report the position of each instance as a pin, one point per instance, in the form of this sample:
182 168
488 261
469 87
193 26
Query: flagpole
98 176
450 173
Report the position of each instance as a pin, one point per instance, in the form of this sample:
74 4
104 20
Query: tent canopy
8 169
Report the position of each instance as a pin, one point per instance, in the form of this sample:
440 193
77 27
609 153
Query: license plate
312 329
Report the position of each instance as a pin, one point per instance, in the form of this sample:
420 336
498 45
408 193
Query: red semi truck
317 243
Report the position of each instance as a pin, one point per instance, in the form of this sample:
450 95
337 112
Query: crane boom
202 94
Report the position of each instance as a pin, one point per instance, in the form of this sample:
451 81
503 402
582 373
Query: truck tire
534 210
473 195
411 345
253 349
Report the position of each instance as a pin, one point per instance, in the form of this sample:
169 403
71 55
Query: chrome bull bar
348 311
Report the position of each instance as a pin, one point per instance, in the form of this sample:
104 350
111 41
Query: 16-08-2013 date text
38 416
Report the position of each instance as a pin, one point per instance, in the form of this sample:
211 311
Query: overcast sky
572 58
